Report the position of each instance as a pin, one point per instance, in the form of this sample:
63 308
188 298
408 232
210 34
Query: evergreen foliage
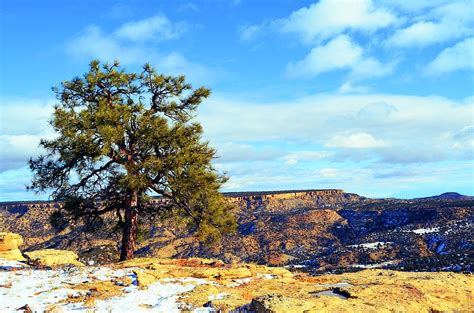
123 135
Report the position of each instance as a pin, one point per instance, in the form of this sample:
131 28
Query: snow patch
42 288
376 265
425 230
371 245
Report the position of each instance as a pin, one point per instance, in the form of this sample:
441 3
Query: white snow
218 296
157 297
295 266
425 230
240 281
7 264
265 276
377 265
42 288
371 245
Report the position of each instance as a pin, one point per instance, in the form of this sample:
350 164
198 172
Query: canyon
318 231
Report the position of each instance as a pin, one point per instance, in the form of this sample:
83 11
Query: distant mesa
450 196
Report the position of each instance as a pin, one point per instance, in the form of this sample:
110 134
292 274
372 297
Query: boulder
10 241
52 258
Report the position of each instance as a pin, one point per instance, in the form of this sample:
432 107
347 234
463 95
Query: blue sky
375 97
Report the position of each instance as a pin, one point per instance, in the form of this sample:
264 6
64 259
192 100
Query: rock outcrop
52 258
9 246
172 285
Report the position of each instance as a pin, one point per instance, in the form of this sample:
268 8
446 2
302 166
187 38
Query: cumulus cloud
327 18
340 53
458 57
157 27
447 21
135 42
355 141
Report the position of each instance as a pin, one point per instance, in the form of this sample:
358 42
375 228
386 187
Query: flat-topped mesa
283 194
21 207
245 198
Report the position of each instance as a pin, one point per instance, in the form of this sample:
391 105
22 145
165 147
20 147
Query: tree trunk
130 228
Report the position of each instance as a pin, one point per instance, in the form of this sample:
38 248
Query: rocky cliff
321 230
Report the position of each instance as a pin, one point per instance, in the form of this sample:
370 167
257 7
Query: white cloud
458 57
21 116
298 156
23 123
338 54
350 87
328 18
418 34
412 6
158 27
329 172
249 32
229 152
93 43
17 149
442 23
355 141
391 128
370 67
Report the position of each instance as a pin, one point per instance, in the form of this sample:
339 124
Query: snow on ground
159 297
371 245
240 281
42 288
377 265
8 265
295 266
425 230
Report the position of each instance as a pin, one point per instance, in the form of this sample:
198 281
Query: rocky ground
197 285
55 281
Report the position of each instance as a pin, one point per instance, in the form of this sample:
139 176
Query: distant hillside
450 196
321 230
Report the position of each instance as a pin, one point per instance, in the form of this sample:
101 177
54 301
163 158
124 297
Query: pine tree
122 135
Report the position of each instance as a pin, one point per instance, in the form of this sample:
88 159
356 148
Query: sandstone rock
277 303
13 255
10 241
145 278
52 258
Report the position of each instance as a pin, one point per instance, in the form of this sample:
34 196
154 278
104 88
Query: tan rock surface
370 291
275 289
52 258
12 255
10 241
